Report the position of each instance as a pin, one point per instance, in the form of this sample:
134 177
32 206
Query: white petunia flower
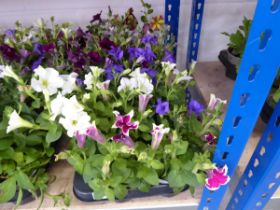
127 84
69 83
7 71
144 84
57 105
182 76
96 71
168 67
88 81
76 122
215 102
66 32
16 122
48 80
71 106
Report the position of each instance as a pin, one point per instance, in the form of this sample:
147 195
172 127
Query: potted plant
114 90
231 57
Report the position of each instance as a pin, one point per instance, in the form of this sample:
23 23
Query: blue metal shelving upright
258 69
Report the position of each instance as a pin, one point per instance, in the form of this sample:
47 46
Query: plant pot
266 112
26 197
231 63
83 192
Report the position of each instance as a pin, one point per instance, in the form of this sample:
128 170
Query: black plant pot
26 197
231 63
266 112
83 192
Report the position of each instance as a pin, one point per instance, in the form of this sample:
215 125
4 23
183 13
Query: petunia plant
114 91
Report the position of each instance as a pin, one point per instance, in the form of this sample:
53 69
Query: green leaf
23 181
156 164
176 179
144 128
149 175
110 194
5 143
7 189
54 133
120 192
144 187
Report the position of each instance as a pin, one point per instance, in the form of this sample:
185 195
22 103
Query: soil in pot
83 192
231 63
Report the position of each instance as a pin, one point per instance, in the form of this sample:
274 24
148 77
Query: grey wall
219 16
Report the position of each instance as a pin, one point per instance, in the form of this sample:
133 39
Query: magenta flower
124 122
95 134
124 139
81 139
216 178
143 102
210 138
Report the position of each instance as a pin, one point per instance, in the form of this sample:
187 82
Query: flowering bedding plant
114 90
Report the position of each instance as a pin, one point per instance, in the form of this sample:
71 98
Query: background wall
219 16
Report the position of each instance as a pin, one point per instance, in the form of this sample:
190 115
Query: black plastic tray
266 112
230 66
83 192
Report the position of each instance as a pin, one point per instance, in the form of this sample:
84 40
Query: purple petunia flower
168 57
37 63
117 68
108 69
95 57
162 107
9 53
79 82
48 48
24 53
10 33
195 107
151 72
96 17
116 52
124 139
149 39
149 55
77 59
25 70
106 43
135 53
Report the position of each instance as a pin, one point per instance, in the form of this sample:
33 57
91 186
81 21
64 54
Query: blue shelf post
171 17
195 29
262 175
258 69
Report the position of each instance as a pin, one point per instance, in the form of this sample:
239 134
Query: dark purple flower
151 72
96 17
24 53
95 57
79 82
10 33
146 27
9 53
116 52
168 57
106 43
149 39
195 107
37 63
124 139
80 37
117 68
48 48
37 48
77 59
25 70
162 107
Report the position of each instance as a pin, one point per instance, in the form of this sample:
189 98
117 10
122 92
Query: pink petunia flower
81 139
210 138
157 135
143 102
95 134
124 122
216 178
124 139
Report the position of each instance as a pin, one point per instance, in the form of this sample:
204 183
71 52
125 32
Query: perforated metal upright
195 29
171 17
258 69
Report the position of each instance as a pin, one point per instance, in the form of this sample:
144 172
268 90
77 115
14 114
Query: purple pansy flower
162 107
149 39
106 43
124 139
195 107
116 52
168 57
217 177
124 122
